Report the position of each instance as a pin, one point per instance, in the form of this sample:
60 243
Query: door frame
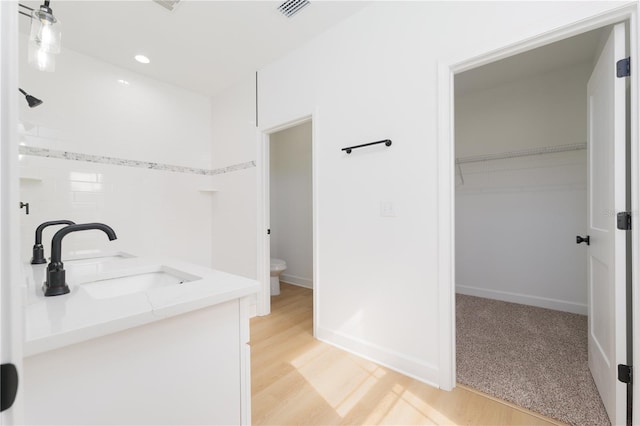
263 223
11 308
446 175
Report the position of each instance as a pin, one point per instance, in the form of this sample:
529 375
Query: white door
607 250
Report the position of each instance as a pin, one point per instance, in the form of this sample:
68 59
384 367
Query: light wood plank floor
297 380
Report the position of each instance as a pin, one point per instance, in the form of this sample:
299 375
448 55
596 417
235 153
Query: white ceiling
203 46
565 53
206 46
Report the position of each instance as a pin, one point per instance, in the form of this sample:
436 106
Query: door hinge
623 67
625 373
624 221
268 231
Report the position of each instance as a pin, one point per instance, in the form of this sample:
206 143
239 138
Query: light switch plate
387 209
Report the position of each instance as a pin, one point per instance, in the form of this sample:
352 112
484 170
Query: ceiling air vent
170 5
291 7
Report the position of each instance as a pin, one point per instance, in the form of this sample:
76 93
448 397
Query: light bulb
40 58
45 31
46 38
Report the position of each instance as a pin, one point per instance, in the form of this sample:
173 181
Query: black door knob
9 385
580 239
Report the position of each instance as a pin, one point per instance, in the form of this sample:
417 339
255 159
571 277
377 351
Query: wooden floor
297 380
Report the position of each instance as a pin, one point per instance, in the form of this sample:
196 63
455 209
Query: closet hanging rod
387 142
522 153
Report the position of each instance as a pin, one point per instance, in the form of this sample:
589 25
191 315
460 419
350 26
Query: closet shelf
522 153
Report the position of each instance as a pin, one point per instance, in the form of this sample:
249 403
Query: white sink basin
139 281
96 258
92 263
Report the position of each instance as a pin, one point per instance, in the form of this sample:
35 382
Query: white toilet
277 267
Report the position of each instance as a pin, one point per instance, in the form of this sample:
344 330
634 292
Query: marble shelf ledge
29 178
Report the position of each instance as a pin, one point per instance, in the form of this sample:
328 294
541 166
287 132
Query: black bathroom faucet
38 249
55 285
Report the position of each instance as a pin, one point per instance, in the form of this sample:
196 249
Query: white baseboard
295 280
409 366
524 299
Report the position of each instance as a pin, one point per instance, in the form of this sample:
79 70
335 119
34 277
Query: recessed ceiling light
142 59
123 82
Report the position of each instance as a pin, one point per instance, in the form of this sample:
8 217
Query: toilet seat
278 264
277 267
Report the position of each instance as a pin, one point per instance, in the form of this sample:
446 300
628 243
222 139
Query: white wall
374 76
290 196
87 111
234 215
517 219
538 111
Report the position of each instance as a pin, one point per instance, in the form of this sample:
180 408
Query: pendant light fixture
44 37
31 100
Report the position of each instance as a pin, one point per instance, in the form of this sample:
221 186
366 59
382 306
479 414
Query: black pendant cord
25 7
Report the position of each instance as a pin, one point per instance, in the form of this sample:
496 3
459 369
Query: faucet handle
38 250
37 257
55 274
55 284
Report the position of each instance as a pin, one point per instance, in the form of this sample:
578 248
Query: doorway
287 225
521 197
451 174
290 205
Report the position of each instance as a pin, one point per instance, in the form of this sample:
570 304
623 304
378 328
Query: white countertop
54 322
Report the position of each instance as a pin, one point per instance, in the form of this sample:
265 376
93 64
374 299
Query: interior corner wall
517 218
290 195
235 204
97 148
371 77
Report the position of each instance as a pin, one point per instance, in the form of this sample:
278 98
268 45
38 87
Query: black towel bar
387 142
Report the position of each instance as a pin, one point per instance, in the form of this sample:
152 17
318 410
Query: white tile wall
87 112
153 212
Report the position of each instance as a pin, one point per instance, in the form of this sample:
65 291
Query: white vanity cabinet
183 363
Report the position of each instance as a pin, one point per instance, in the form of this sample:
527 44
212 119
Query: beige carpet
533 357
